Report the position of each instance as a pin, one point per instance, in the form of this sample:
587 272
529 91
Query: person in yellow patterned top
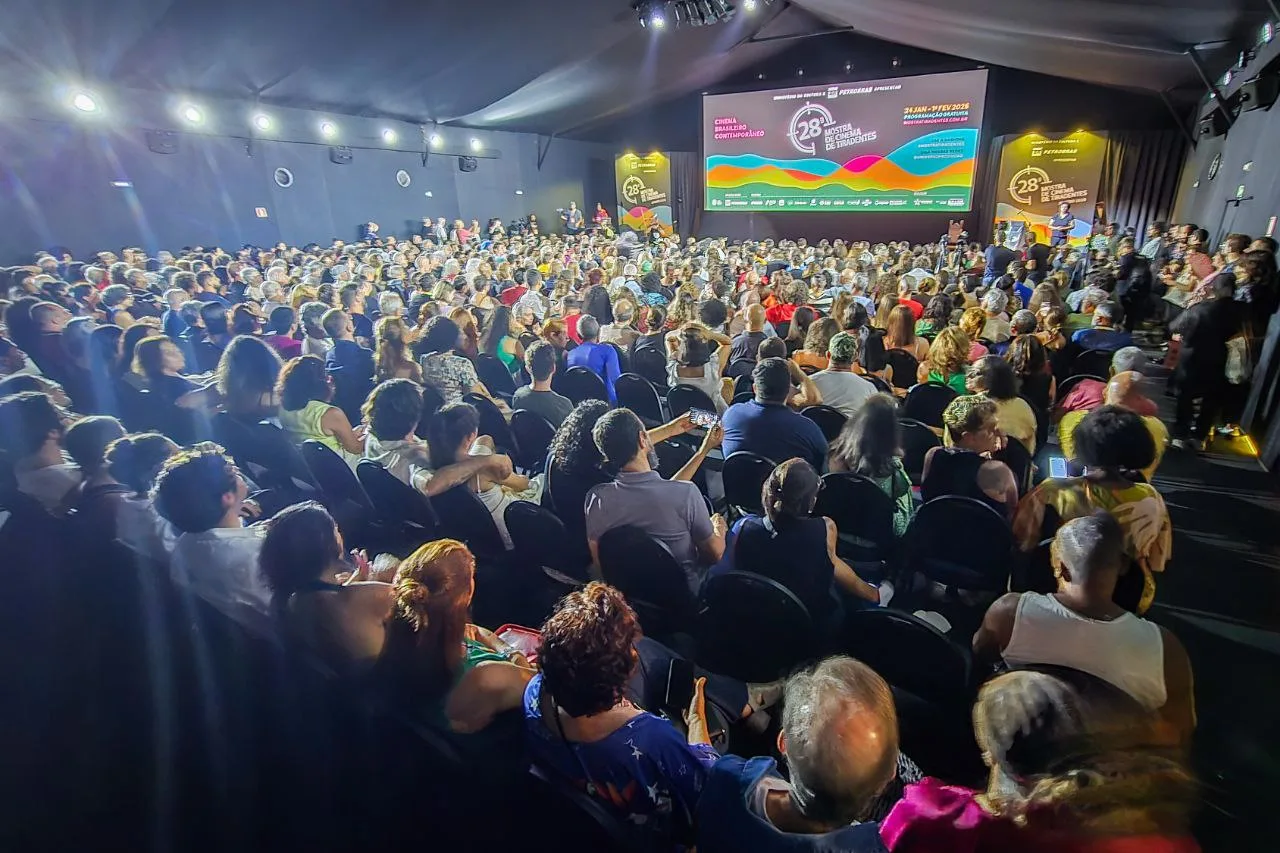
1114 446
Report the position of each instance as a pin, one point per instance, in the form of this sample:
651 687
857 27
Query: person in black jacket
1205 329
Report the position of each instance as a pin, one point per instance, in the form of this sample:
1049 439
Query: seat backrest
672 456
394 501
910 654
753 628
1018 458
881 386
960 542
579 820
646 573
927 401
135 407
917 439
463 517
745 384
539 537
744 476
580 384
492 423
681 398
739 368
532 433
650 364
494 374
272 449
637 394
432 402
1096 362
1070 382
828 419
862 512
234 436
624 361
904 366
337 482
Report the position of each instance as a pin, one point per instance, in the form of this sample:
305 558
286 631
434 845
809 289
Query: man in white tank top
1080 627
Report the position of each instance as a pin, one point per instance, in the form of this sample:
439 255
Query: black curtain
1140 173
686 191
980 221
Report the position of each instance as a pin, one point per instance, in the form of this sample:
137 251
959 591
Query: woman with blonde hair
963 465
900 333
884 307
390 355
946 360
971 323
460 674
682 311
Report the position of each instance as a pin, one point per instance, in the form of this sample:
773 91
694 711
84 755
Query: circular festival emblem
807 125
1025 184
631 189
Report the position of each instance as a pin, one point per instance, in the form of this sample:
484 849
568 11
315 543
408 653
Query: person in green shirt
870 444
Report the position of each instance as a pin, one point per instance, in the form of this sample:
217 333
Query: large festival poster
644 192
901 144
1039 171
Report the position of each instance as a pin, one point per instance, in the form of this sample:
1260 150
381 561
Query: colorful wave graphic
935 160
641 218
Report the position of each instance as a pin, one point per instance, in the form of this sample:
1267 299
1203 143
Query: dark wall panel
1254 139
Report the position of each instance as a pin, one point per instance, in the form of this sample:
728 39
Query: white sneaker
886 593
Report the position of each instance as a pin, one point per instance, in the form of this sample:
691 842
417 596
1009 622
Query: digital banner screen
898 144
1038 173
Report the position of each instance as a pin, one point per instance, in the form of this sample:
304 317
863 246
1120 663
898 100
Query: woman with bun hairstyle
435 661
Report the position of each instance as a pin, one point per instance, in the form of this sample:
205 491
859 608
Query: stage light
476 144
749 5
262 122
389 136
799 72
436 140
328 129
897 63
428 194
191 113
657 20
519 192
848 66
85 102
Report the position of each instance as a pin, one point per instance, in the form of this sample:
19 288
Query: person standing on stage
1060 225
572 219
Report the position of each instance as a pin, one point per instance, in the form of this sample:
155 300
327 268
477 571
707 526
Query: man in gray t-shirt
540 360
671 511
840 387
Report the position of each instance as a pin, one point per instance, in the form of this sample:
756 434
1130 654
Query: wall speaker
162 141
1259 93
467 164
339 154
1214 124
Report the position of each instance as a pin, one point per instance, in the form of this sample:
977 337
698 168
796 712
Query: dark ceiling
575 66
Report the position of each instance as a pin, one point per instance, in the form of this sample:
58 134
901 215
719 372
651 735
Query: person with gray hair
600 359
1105 332
839 739
390 304
1023 323
994 303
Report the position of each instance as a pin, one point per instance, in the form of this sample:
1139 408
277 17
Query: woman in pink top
1076 767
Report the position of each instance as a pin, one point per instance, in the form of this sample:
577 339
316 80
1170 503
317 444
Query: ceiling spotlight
799 72
475 144
388 136
191 113
262 122
328 128
436 140
896 62
84 102
749 5
848 66
657 20
760 76
519 192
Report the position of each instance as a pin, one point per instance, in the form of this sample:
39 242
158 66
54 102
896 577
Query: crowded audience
404 354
